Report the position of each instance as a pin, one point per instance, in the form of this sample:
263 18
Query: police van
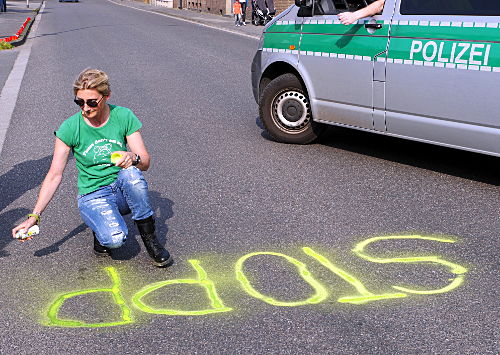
426 70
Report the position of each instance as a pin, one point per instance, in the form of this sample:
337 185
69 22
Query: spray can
22 234
115 157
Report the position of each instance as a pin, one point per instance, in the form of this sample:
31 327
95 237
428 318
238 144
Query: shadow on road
164 211
55 247
459 163
14 183
7 221
29 175
131 249
89 28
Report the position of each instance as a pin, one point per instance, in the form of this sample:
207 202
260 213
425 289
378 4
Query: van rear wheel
285 111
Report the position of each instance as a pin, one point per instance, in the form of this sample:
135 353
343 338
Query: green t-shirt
92 146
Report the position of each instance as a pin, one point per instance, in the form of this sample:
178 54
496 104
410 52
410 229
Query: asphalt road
222 191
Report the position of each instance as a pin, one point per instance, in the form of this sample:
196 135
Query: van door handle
373 26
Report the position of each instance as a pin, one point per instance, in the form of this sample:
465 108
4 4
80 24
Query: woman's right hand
27 224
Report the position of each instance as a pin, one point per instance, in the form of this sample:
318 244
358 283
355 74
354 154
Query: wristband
136 160
36 216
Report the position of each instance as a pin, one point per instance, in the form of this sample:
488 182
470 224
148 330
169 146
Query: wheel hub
292 109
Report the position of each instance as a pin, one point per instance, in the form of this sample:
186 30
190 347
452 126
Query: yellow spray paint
365 296
320 293
454 268
217 305
126 318
202 280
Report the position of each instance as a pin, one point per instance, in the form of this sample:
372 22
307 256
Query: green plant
5 45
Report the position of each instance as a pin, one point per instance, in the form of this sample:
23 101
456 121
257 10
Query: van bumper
256 73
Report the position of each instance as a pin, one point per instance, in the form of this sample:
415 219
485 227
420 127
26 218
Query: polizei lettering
464 53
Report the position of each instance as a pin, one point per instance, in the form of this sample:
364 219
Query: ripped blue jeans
103 210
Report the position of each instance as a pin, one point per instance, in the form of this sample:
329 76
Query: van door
338 62
443 73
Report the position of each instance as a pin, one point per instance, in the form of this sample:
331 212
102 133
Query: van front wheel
285 111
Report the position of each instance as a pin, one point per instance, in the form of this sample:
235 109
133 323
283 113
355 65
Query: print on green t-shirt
92 147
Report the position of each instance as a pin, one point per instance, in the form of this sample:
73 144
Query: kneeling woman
107 190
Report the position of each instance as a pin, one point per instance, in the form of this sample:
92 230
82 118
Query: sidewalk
16 14
223 22
10 22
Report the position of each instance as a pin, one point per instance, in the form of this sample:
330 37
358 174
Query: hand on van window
348 18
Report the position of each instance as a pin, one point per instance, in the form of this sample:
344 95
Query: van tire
285 111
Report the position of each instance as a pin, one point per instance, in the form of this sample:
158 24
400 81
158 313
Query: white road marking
190 21
10 91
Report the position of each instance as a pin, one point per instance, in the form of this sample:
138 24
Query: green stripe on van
340 29
449 31
281 40
284 28
339 44
459 45
461 54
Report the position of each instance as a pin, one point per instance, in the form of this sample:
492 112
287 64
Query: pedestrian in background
237 12
243 4
253 11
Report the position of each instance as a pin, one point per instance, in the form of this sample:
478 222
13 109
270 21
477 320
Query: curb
176 15
179 16
24 34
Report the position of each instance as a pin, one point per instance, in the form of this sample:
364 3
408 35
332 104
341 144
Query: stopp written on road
319 292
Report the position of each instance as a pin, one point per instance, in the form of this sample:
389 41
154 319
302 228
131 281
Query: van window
333 7
325 7
451 7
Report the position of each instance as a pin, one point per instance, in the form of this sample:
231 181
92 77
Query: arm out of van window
348 18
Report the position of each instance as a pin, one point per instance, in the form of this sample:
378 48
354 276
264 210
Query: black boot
99 250
161 257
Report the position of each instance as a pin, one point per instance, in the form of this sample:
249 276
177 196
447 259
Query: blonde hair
92 79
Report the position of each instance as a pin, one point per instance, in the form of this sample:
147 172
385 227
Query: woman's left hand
126 160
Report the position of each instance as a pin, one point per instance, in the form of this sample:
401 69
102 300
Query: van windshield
451 7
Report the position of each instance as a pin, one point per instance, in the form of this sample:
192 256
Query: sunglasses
90 102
